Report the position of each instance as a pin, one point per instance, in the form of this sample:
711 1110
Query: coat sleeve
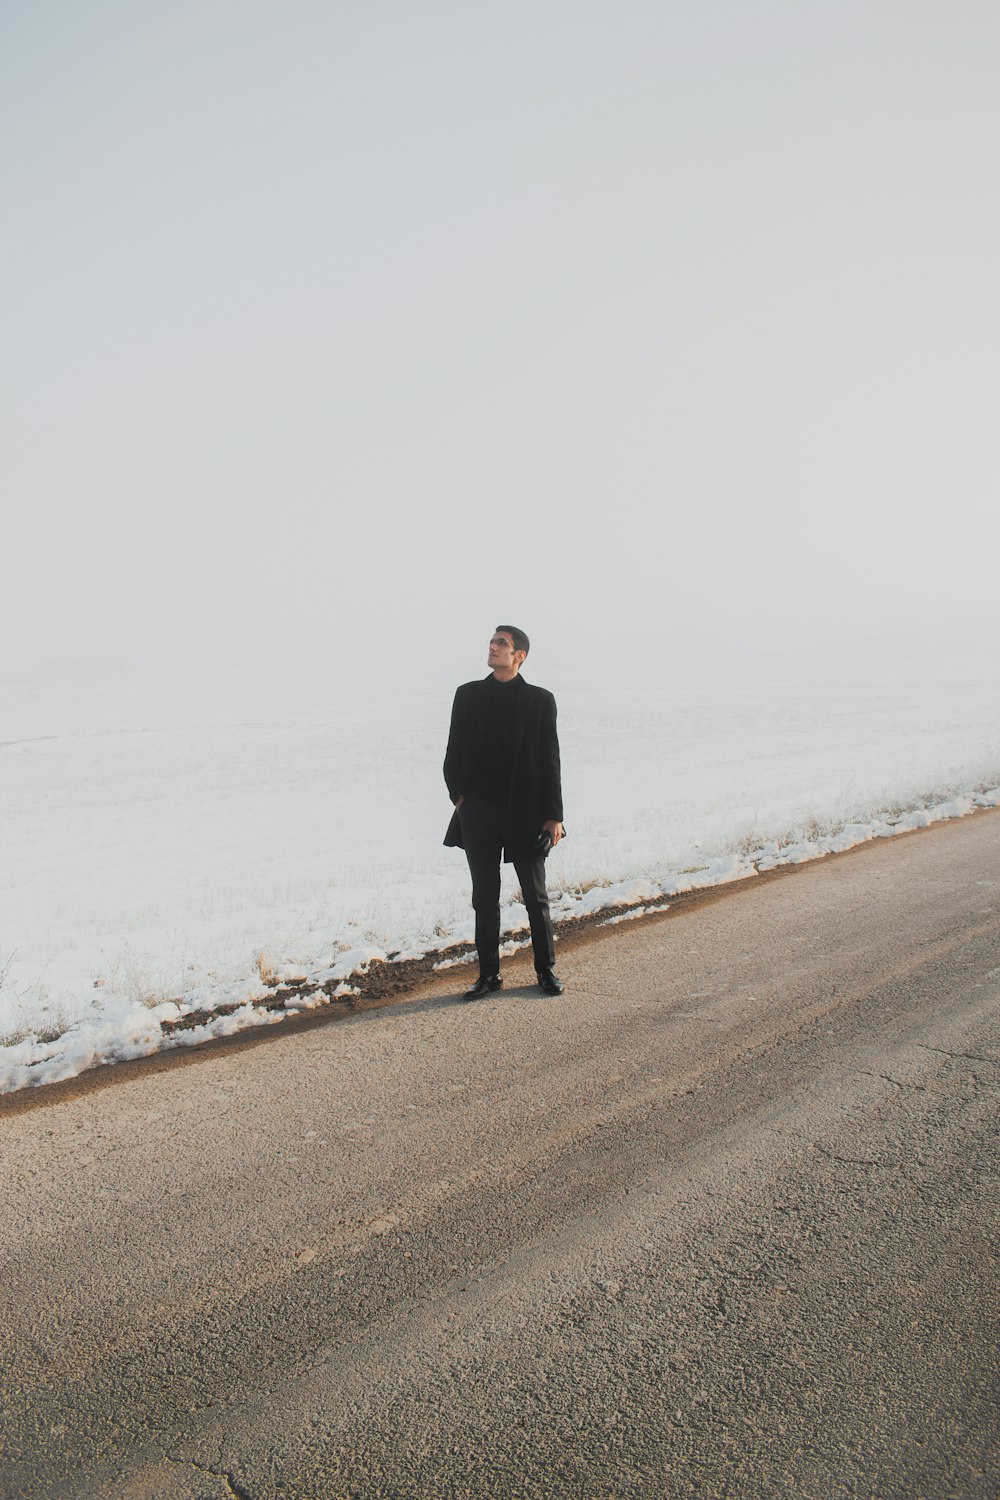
551 770
453 755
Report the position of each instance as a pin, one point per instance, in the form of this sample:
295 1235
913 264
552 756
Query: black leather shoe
484 985
549 981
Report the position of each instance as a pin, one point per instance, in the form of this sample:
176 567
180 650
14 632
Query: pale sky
336 334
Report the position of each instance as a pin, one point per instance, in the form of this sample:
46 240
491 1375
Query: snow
170 857
637 911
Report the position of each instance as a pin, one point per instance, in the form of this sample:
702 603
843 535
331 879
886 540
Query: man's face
502 653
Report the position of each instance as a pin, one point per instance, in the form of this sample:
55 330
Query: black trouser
482 834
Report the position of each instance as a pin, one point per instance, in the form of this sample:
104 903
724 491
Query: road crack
226 1475
969 1056
858 1161
900 1083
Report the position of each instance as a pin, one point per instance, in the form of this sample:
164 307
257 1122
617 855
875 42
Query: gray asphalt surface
720 1221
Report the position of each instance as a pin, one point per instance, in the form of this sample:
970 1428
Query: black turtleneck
494 763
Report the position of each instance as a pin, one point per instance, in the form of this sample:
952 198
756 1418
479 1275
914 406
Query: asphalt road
720 1221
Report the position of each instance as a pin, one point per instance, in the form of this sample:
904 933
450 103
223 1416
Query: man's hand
459 800
555 828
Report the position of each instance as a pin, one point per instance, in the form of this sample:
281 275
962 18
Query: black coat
535 784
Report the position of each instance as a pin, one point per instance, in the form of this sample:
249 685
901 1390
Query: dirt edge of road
388 983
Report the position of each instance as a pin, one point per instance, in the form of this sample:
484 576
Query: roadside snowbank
127 1029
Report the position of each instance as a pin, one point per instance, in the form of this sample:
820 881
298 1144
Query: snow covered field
161 860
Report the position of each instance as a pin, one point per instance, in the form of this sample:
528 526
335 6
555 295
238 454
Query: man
502 772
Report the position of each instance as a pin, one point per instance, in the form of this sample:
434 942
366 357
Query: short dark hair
521 642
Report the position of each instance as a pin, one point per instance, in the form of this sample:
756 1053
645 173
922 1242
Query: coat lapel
521 718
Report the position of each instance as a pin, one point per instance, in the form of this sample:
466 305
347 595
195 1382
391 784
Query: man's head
508 648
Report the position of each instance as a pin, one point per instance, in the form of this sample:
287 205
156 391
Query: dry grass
266 968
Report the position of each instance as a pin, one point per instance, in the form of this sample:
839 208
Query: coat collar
521 704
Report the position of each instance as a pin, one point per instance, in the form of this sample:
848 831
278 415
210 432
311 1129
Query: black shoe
549 981
484 985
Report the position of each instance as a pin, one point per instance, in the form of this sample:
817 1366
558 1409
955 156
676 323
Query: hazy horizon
336 336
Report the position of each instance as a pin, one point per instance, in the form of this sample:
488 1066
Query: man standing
502 772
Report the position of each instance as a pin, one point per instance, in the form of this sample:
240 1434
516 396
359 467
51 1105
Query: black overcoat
535 783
